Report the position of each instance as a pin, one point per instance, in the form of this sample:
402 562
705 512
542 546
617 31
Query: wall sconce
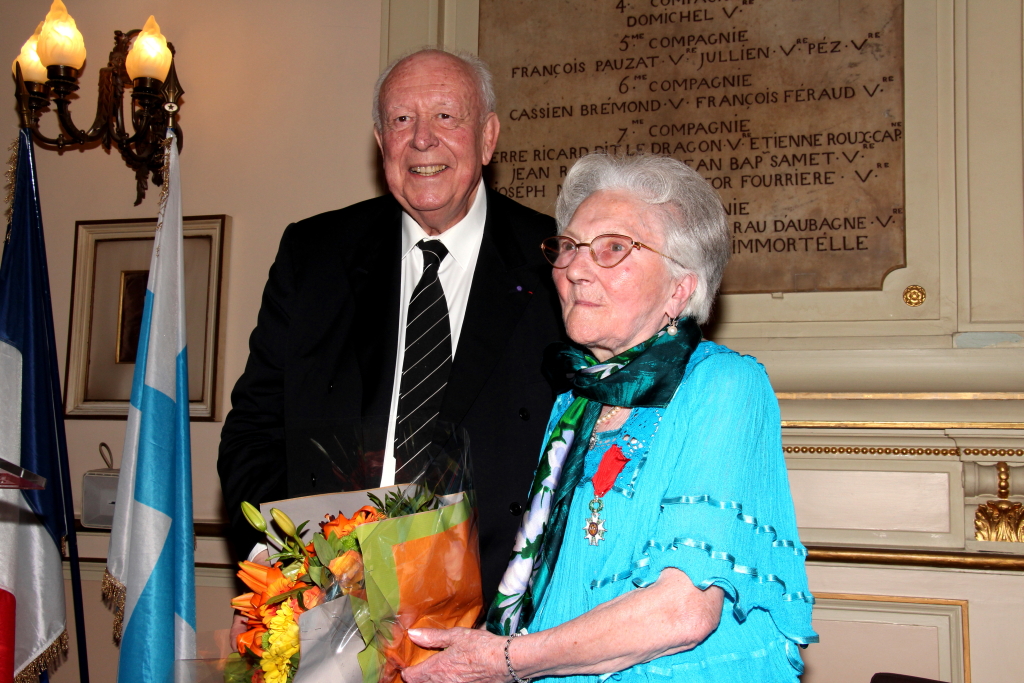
50 64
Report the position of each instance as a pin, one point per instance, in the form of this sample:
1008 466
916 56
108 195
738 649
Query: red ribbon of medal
611 465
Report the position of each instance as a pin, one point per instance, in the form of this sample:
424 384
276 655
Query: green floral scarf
645 376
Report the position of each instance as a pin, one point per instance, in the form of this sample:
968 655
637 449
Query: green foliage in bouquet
400 503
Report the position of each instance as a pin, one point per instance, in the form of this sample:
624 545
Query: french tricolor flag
33 524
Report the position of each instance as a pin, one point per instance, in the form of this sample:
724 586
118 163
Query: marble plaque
791 109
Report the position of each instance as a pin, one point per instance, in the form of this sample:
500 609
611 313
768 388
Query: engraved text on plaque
792 109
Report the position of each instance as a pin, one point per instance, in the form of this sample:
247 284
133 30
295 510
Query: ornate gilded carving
914 295
1000 520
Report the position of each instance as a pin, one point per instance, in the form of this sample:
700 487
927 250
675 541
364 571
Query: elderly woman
660 541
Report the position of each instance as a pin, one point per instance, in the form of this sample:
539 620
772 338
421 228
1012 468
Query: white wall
276 121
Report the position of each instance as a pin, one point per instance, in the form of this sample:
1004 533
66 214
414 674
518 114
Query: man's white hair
692 218
473 64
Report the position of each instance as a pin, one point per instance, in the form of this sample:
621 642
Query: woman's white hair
692 218
474 65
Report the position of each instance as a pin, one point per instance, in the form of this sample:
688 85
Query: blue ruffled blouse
705 491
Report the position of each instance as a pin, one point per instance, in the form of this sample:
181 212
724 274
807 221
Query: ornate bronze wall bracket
154 108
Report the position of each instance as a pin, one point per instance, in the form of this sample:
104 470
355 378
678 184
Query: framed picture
111 269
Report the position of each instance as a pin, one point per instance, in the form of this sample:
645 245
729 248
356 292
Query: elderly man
433 303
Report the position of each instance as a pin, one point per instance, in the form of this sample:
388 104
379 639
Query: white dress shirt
456 275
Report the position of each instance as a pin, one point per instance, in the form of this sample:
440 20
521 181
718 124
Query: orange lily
342 526
252 640
265 583
243 602
264 579
247 604
250 605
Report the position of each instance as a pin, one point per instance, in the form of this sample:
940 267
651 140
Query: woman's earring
672 329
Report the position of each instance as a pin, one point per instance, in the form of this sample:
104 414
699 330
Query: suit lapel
376 285
502 287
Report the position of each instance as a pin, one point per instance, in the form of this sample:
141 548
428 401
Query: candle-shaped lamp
32 70
149 56
60 41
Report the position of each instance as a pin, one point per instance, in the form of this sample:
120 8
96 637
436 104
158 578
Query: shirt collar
460 239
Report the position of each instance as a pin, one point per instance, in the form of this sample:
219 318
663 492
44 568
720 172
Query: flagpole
68 500
71 539
76 597
76 570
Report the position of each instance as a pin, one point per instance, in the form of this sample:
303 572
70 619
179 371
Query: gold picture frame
111 266
130 302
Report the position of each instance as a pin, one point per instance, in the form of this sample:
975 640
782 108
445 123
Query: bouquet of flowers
408 559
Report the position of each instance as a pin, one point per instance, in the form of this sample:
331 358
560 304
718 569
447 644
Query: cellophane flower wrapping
380 576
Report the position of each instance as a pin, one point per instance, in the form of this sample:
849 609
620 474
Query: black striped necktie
425 369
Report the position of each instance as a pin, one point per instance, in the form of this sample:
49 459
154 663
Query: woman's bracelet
508 661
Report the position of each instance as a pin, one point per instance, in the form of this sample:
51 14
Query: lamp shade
31 68
60 42
149 56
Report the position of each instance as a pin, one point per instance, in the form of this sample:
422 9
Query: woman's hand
669 616
468 656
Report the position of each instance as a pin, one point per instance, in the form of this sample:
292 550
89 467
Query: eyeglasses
608 251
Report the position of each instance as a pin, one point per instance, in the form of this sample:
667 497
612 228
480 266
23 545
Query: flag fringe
47 658
11 174
165 171
114 593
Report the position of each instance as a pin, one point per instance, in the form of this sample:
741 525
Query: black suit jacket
317 387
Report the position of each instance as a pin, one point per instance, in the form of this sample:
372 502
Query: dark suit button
524 414
312 479
330 387
516 509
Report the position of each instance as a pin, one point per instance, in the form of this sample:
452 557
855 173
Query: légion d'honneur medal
611 464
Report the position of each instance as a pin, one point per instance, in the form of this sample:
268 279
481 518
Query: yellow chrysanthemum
284 642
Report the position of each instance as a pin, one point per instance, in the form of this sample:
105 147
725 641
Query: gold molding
903 450
1000 452
823 424
962 604
915 558
892 598
900 396
869 450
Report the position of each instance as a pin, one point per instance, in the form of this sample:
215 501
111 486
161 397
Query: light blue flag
150 563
